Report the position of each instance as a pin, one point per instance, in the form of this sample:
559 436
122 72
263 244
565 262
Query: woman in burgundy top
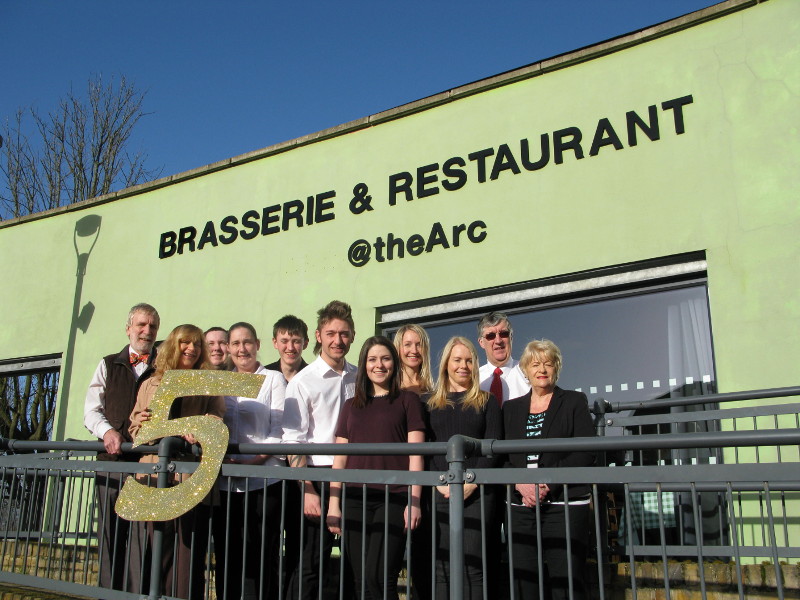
380 412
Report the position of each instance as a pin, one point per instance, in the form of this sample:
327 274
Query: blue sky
225 78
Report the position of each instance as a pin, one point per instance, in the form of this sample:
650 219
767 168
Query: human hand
311 506
444 490
412 517
469 488
112 440
334 519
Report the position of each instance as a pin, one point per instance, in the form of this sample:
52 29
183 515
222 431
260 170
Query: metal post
459 447
165 449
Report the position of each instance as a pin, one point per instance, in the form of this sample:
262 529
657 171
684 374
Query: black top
457 419
567 416
276 366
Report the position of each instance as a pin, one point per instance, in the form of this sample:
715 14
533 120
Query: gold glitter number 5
139 502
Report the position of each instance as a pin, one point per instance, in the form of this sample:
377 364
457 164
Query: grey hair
493 319
145 308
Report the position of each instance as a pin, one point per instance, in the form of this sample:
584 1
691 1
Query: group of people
389 396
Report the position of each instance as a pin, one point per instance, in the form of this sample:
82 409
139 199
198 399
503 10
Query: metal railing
50 516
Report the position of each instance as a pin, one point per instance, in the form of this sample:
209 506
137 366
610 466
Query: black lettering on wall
269 215
209 236
250 224
604 135
400 183
480 157
228 226
504 161
324 203
560 143
676 106
426 176
451 172
649 129
476 238
544 143
186 238
166 246
293 210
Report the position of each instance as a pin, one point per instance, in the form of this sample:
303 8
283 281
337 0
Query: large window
28 391
638 333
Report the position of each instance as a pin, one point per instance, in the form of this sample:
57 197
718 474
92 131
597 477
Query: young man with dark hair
314 398
290 338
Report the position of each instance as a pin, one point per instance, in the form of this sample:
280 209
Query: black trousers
121 543
246 542
561 566
374 541
475 511
315 552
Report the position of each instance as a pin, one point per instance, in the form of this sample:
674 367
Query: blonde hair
474 397
169 352
544 350
425 376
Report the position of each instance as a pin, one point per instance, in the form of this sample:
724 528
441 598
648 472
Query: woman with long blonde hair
458 406
413 346
184 348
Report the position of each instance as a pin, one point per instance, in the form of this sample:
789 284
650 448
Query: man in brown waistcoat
109 403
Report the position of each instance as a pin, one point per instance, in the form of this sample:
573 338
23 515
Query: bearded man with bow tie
109 403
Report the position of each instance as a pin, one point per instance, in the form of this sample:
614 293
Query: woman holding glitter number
184 348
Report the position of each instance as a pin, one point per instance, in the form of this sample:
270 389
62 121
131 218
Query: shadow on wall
84 238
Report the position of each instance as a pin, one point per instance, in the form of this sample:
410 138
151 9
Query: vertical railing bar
299 575
264 548
510 544
484 566
88 526
629 540
321 573
434 524
539 546
409 549
282 539
698 525
598 544
568 532
342 550
735 540
385 541
774 544
662 539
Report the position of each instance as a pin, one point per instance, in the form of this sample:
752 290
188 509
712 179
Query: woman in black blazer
547 411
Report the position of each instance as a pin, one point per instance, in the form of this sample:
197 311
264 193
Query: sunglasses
505 334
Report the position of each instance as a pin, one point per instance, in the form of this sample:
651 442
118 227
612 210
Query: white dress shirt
256 421
94 415
314 398
514 382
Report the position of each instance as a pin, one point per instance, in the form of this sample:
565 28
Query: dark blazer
567 416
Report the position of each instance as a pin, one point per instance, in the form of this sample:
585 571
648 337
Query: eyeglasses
505 334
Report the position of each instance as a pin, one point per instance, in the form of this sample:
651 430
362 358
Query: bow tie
138 358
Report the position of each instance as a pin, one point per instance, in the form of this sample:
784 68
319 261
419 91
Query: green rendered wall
727 185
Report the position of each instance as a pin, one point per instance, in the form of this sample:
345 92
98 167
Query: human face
142 332
290 348
459 369
380 367
498 350
335 338
541 373
244 347
189 353
411 351
217 347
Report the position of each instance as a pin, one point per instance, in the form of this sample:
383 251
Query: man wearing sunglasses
500 375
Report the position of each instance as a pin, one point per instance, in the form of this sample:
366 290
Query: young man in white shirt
314 398
500 375
217 340
290 338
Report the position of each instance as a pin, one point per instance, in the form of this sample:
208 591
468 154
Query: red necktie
496 389
138 358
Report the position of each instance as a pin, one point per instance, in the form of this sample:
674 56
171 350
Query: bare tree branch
80 150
